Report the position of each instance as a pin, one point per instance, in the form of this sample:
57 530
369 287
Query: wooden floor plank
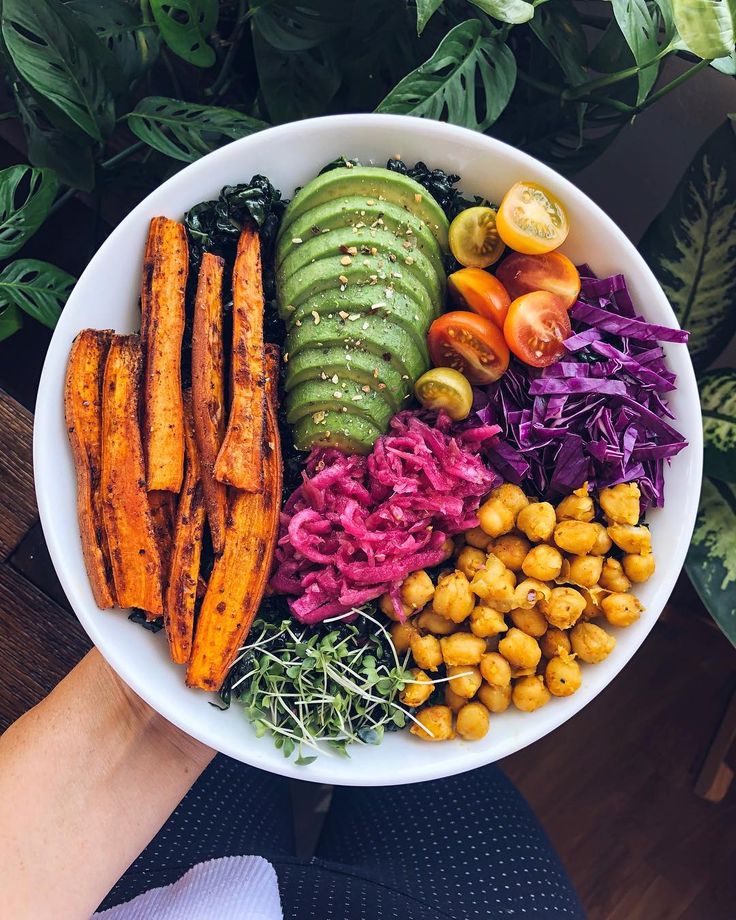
17 495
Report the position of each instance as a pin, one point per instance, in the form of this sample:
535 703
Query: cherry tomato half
536 326
445 388
476 290
553 272
469 343
474 239
531 219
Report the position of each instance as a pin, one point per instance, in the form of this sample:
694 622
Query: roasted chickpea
462 648
435 724
621 609
522 672
473 721
470 560
592 598
416 590
603 542
453 700
414 695
591 643
385 605
512 496
630 538
453 598
532 621
537 521
638 568
563 608
402 634
495 517
542 562
519 649
432 622
494 581
495 669
495 699
585 570
529 592
427 652
575 537
576 508
448 549
511 549
485 621
478 538
620 503
529 693
563 675
464 680
612 576
555 642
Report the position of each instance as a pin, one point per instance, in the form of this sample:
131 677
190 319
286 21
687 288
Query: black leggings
453 849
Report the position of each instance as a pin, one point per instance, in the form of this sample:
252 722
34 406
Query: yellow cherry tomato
531 220
445 388
474 240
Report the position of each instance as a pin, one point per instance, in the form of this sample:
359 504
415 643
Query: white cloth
230 888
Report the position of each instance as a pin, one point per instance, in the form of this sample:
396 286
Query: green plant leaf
186 131
302 25
726 64
718 404
559 29
26 194
468 81
61 58
37 288
11 320
691 247
513 11
185 25
707 27
116 23
425 11
640 28
711 559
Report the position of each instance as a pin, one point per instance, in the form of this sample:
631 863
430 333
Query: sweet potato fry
239 461
181 593
208 391
83 410
163 514
165 269
240 574
134 553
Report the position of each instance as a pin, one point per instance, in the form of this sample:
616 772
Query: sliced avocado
325 395
364 367
377 334
346 431
402 256
353 213
376 184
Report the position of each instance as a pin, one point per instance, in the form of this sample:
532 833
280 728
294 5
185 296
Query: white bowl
106 296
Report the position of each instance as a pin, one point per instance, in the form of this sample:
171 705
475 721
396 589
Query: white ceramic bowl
106 296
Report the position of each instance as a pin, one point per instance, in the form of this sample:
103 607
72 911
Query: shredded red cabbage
598 414
357 526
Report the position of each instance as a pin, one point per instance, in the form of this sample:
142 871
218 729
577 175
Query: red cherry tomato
536 326
477 290
472 344
553 272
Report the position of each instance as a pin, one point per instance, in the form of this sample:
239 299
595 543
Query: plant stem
123 155
5 115
673 84
176 86
546 88
585 89
62 200
218 87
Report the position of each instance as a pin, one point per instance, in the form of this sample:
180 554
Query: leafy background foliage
118 94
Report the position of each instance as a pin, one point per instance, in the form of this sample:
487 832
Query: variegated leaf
718 402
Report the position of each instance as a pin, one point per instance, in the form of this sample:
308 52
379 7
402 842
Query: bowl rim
424 768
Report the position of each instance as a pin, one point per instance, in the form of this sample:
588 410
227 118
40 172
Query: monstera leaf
706 27
467 81
184 26
691 247
26 194
718 404
36 288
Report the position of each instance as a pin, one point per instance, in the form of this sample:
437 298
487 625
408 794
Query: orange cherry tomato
472 344
477 290
553 272
531 219
536 326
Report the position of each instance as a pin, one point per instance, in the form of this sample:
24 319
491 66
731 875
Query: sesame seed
290 307
342 279
366 388
407 244
357 397
337 394
298 322
297 240
354 316
408 260
319 417
369 201
364 326
392 257
344 408
375 372
315 317
286 357
381 386
377 306
352 250
417 197
323 376
374 251
335 378
343 315
346 260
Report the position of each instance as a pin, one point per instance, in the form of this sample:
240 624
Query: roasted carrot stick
136 563
163 513
83 410
240 574
165 269
239 461
181 593
208 391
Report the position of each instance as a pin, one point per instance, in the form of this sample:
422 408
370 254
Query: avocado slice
364 367
375 183
353 213
376 334
401 256
346 431
325 395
